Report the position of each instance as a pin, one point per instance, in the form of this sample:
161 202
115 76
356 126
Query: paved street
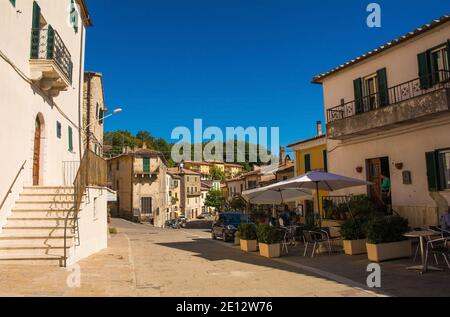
146 261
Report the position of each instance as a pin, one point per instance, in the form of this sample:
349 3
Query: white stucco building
388 112
42 53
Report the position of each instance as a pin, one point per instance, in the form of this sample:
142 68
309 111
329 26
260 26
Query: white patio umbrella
268 195
319 181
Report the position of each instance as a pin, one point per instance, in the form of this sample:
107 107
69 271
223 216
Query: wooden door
37 152
375 178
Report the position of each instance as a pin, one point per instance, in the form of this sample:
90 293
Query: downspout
88 131
81 94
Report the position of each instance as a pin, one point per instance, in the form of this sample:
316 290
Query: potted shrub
385 240
248 237
269 239
354 237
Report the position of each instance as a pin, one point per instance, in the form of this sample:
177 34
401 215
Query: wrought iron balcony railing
402 92
46 44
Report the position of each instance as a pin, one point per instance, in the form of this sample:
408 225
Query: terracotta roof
425 28
237 179
197 163
308 140
176 171
287 167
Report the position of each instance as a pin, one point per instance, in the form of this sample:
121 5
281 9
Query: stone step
46 198
26 259
42 205
42 231
30 239
32 250
33 213
39 222
48 190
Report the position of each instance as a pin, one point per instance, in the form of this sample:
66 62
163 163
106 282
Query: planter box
389 251
249 245
355 247
270 250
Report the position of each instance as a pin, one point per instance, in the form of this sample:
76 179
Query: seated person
281 221
286 215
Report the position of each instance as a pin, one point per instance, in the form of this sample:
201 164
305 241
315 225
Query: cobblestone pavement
146 261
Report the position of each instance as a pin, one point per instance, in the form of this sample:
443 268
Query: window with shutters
371 92
439 63
70 134
146 165
146 205
13 2
444 169
74 17
58 130
307 163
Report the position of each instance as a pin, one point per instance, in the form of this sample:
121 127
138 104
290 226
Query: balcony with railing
413 101
50 61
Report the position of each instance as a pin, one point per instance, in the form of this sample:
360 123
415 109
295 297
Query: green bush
353 229
362 207
386 229
269 235
247 231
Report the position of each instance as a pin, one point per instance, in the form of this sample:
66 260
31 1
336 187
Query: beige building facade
94 111
388 114
190 192
139 177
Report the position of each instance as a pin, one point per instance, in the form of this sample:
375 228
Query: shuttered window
74 16
70 140
325 161
36 23
383 87
307 163
358 89
13 2
58 130
146 164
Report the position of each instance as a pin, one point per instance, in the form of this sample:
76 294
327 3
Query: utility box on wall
407 178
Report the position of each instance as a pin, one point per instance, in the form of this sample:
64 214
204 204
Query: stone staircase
34 233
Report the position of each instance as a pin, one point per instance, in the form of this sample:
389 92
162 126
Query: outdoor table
424 267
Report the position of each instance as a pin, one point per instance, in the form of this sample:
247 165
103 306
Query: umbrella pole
318 204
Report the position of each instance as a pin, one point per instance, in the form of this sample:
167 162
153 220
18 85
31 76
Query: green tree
214 199
217 174
237 203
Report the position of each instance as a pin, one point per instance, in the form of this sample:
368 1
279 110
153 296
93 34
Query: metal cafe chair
315 238
429 239
439 247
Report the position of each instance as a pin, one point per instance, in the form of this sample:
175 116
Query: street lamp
116 111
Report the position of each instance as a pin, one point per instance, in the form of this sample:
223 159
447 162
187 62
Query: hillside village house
174 193
311 155
42 70
190 192
94 110
204 168
388 114
139 177
208 186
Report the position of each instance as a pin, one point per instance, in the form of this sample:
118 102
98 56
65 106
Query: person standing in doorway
386 193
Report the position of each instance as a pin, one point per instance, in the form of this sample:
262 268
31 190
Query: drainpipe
88 124
80 94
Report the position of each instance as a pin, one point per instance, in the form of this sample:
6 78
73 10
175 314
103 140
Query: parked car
227 225
204 215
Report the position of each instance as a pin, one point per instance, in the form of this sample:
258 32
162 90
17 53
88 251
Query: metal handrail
13 183
402 92
92 172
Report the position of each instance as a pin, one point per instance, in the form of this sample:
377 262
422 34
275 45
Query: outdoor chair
429 239
288 238
316 238
438 247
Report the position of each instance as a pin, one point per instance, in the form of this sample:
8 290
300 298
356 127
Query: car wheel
213 236
224 237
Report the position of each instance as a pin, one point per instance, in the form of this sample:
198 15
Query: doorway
37 151
377 168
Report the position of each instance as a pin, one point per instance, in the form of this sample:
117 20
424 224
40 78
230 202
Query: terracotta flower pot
389 251
249 245
270 250
355 247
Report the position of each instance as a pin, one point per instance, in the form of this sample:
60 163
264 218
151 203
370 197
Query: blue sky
232 62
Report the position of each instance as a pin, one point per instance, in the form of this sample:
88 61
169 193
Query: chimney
319 128
282 156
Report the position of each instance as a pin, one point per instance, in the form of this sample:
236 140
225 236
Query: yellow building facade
311 155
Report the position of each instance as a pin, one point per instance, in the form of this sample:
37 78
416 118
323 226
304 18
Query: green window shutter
146 165
50 42
357 85
325 161
424 70
432 171
70 140
13 2
383 87
35 30
307 163
448 57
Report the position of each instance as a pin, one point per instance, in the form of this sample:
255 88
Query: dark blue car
227 225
